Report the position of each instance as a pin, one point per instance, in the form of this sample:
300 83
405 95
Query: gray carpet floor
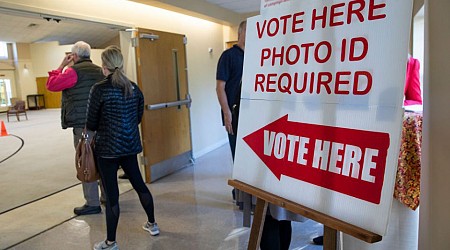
43 166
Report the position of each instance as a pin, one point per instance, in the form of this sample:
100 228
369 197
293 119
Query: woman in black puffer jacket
114 111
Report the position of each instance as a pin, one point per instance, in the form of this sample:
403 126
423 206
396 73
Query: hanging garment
413 93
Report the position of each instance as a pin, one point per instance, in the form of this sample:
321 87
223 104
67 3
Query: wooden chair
14 100
17 109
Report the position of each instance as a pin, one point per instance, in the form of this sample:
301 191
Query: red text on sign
331 83
276 25
338 158
340 13
354 49
343 13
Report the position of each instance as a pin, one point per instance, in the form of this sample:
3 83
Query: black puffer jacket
115 118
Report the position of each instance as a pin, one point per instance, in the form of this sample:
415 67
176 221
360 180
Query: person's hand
67 59
227 119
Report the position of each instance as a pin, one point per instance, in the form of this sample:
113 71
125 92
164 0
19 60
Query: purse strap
88 135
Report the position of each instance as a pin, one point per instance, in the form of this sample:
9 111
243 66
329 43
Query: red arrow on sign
345 160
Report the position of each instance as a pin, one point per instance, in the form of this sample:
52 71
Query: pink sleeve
413 93
59 81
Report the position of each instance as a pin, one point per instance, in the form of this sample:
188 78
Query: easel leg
258 224
247 200
329 238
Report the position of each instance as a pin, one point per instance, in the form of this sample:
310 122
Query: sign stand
258 224
329 238
331 225
247 200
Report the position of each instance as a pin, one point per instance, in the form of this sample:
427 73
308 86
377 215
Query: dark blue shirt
229 69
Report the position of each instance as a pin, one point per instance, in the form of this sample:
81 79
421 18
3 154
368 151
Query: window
3 50
5 92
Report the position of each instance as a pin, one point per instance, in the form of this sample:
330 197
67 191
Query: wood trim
326 220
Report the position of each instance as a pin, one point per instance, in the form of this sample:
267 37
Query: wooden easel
331 225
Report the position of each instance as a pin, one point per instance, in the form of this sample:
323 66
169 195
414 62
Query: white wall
207 130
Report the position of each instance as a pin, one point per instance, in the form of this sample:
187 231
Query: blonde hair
112 59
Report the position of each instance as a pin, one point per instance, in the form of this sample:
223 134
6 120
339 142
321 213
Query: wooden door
162 77
52 99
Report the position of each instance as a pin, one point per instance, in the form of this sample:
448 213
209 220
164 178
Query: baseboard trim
210 148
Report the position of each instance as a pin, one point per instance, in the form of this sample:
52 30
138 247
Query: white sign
321 108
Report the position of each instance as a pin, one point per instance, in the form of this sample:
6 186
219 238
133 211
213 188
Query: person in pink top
63 77
413 93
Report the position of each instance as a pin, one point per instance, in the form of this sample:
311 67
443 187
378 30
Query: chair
17 109
14 100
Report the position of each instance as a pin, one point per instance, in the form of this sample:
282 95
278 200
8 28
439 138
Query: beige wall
23 51
207 130
25 80
48 56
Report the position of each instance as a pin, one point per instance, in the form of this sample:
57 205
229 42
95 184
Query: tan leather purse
85 160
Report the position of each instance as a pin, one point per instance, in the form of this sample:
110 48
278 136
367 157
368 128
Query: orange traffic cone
3 129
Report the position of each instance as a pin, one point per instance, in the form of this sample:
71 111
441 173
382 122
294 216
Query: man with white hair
75 83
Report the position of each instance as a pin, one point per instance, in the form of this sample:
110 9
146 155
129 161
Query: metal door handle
186 102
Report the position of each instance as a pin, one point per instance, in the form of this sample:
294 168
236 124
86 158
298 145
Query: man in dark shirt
228 87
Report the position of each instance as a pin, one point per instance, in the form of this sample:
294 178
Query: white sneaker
152 228
102 245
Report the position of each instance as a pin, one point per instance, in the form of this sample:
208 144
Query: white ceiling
238 6
16 26
34 28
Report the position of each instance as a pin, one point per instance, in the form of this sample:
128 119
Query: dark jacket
115 118
74 100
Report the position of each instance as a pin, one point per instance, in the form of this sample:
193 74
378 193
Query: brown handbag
85 160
